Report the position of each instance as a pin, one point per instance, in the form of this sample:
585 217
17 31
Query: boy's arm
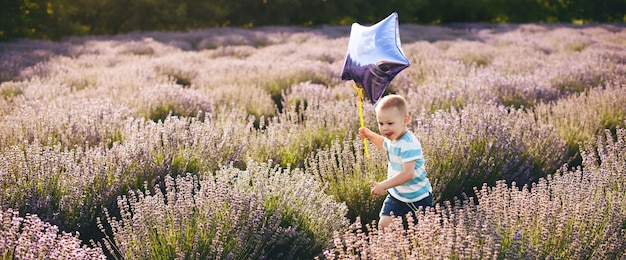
408 169
377 139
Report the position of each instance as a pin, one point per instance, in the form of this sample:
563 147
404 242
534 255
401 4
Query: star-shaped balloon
374 56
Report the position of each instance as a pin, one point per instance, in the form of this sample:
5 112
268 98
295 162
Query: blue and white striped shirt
407 149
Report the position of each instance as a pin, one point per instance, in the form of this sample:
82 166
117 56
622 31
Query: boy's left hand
377 189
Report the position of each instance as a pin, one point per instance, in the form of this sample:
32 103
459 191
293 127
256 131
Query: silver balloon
374 56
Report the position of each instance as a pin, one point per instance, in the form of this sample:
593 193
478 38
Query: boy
406 186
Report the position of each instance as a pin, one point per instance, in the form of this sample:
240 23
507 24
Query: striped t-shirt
407 149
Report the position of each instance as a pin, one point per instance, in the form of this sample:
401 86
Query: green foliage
516 99
180 164
173 100
303 143
161 112
277 86
38 19
598 108
292 136
59 18
346 170
577 83
10 90
115 137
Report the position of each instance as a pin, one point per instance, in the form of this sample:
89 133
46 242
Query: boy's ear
407 119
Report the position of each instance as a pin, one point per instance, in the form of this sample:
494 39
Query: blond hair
391 101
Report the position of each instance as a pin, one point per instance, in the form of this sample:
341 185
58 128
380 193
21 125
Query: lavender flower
31 238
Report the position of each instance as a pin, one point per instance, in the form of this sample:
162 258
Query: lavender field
243 144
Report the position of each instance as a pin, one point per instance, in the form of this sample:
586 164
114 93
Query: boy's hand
364 132
377 189
375 138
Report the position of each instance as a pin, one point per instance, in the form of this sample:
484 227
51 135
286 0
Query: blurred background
54 19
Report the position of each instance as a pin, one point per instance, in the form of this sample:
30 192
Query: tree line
54 19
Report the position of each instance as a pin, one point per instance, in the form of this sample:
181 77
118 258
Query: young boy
406 186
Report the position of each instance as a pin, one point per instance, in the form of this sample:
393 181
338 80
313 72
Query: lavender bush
195 218
298 199
66 121
599 109
68 186
521 67
31 238
258 213
486 143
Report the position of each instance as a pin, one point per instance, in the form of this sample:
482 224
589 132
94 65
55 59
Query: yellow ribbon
360 98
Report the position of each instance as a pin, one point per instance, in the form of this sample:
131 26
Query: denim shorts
400 208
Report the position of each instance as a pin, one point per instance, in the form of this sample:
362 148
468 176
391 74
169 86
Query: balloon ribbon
360 98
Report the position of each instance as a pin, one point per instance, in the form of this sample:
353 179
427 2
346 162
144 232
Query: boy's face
391 123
